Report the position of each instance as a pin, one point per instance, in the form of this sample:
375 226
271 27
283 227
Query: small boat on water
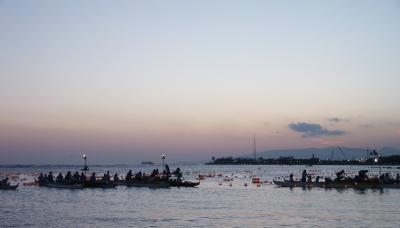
147 163
180 183
9 187
341 181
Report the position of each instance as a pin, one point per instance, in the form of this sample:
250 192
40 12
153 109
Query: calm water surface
213 204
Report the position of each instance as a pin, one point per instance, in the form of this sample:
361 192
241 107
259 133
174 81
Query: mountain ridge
325 153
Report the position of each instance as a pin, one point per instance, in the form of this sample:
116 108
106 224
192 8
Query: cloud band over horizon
314 130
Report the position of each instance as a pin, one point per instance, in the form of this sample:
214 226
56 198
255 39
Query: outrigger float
181 183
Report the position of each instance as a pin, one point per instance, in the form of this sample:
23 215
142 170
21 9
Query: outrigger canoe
9 187
336 184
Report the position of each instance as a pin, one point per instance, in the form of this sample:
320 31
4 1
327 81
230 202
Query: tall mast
254 148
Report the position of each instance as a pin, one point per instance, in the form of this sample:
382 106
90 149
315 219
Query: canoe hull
99 185
9 187
63 186
183 184
148 185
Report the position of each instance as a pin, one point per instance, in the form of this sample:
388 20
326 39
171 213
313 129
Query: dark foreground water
212 204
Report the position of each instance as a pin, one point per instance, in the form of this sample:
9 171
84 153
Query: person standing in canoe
82 178
129 176
116 178
177 173
106 178
317 179
60 178
50 177
167 171
68 178
76 177
41 178
93 178
304 176
340 175
309 178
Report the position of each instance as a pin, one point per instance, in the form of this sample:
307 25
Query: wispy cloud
314 130
366 125
334 119
337 120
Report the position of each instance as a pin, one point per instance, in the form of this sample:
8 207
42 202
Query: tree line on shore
382 160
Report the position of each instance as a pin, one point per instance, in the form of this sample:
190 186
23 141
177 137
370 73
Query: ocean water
214 203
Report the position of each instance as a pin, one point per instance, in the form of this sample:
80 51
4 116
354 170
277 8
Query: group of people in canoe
343 180
341 176
69 178
155 177
76 179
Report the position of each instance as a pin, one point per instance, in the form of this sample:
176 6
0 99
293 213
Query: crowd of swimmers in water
81 178
385 178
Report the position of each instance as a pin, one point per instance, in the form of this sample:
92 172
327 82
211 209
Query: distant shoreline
388 161
97 165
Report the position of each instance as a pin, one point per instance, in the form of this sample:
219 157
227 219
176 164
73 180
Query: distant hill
325 153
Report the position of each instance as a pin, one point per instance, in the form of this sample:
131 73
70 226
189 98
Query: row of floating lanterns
254 179
245 184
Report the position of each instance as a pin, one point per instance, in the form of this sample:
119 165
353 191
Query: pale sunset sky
125 81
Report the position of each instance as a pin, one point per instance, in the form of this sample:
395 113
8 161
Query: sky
125 81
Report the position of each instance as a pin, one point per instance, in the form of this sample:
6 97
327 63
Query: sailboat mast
254 148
